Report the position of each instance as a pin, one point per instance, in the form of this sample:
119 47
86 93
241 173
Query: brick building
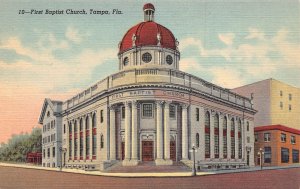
280 144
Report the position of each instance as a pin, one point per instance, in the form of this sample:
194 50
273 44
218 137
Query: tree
18 146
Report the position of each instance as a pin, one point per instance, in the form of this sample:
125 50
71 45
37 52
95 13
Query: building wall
276 144
267 98
51 137
282 115
261 92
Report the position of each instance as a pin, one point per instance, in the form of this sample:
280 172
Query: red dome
146 35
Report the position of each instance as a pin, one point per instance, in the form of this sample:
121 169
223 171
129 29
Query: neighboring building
275 101
51 121
280 144
34 158
151 111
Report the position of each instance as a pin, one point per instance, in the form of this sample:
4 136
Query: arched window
240 138
80 125
197 140
232 135
94 123
207 135
70 128
225 137
247 125
75 126
216 131
87 123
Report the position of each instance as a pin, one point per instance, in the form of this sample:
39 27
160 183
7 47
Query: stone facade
151 111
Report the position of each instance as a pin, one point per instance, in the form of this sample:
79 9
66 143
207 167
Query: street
18 178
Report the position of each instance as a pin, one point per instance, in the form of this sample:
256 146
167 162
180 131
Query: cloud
73 35
243 61
254 33
227 38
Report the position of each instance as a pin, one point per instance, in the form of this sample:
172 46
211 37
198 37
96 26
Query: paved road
18 178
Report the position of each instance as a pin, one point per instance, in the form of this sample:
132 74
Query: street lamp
194 171
61 149
260 154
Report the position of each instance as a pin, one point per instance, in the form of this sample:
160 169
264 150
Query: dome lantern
148 12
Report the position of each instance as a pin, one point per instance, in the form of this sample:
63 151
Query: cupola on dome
147 33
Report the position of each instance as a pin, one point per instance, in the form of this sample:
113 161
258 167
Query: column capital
184 106
112 107
159 102
167 102
127 103
135 103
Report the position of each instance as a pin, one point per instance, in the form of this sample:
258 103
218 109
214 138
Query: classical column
73 139
134 131
91 136
236 135
84 137
78 139
243 139
159 131
167 130
228 138
127 131
221 154
112 124
212 136
184 132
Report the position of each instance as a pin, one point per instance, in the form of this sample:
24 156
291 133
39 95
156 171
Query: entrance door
123 150
147 150
173 150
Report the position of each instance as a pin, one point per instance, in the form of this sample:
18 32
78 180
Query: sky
229 43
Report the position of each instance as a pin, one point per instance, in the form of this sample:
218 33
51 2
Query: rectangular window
216 146
284 155
290 97
53 151
147 110
268 155
283 137
281 93
281 105
172 111
87 145
123 112
101 116
207 145
290 107
75 147
248 139
247 126
64 128
256 137
197 114
48 153
225 146
232 147
70 148
295 156
94 145
81 146
293 139
267 137
44 153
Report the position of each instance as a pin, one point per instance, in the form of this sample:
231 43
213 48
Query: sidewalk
161 174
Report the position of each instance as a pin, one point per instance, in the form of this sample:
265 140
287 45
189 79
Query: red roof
148 6
146 35
277 127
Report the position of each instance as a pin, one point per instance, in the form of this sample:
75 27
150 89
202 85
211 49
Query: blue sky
229 43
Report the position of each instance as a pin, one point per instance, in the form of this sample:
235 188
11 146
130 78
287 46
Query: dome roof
148 34
148 6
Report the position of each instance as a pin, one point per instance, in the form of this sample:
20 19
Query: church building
150 111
